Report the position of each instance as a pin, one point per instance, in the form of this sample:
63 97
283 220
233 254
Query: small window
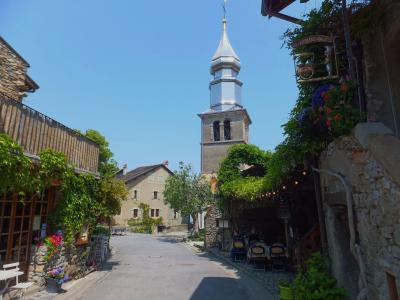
135 194
155 195
217 135
227 130
152 211
135 213
157 212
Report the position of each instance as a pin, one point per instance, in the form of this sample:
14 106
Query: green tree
112 191
107 165
188 193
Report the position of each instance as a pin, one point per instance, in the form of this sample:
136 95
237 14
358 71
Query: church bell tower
226 122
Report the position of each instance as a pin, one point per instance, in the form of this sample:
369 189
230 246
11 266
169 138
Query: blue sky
138 71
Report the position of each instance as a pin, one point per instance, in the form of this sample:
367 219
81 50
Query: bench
13 271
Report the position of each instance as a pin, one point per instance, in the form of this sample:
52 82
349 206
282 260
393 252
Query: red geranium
337 117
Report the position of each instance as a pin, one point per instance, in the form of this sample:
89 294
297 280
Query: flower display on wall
53 244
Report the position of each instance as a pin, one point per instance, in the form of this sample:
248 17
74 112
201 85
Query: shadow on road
110 265
217 288
170 239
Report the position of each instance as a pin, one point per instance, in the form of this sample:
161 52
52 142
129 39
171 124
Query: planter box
286 293
52 285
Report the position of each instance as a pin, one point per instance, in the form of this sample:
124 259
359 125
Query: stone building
146 185
369 163
225 123
24 223
359 173
15 82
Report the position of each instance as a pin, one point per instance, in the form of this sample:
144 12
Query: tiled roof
131 175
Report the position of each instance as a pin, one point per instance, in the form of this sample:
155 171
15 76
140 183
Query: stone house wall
370 162
14 81
381 66
146 186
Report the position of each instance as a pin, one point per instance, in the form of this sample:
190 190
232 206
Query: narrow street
152 268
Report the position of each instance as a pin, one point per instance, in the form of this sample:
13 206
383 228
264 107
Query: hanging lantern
308 68
305 67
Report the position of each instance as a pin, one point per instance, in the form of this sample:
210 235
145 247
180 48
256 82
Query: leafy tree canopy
107 165
187 192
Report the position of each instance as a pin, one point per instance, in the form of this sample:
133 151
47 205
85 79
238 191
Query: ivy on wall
242 171
84 200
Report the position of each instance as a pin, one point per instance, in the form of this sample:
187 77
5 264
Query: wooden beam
284 17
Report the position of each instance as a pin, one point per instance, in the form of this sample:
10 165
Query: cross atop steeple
224 8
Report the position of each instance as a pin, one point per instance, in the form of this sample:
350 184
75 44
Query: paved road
153 268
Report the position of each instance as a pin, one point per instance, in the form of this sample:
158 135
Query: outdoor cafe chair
257 254
238 249
278 258
12 271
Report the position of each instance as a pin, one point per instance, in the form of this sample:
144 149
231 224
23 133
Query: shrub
314 282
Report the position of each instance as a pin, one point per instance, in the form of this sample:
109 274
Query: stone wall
376 206
381 63
210 225
72 260
13 78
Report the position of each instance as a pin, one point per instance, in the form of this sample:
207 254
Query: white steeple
225 88
225 49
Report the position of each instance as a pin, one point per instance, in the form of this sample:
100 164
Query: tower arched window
227 130
217 134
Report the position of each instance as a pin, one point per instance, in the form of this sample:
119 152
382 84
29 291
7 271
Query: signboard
313 39
310 67
222 223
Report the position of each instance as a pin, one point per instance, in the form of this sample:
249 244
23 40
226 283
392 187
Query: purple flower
318 96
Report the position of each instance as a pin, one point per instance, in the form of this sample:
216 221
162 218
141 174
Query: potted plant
54 279
286 290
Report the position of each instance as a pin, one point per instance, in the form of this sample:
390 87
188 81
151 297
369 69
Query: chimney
124 169
165 163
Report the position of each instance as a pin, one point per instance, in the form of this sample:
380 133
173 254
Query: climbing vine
85 199
15 168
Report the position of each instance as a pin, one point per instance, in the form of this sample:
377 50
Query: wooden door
15 228
22 224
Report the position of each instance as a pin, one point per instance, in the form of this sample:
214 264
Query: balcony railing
35 132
